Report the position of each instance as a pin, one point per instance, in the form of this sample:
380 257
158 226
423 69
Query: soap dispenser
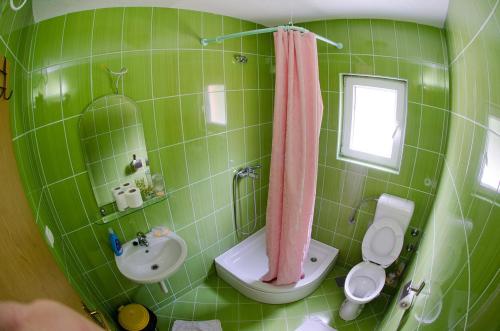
116 246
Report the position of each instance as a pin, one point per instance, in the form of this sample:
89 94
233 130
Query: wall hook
3 87
116 76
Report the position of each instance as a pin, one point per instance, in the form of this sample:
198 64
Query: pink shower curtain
298 109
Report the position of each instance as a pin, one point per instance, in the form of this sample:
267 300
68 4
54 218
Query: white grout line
429 280
465 238
184 145
91 57
477 33
14 56
397 47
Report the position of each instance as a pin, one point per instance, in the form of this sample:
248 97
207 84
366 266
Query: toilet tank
395 208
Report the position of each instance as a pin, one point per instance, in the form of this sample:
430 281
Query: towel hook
3 87
118 75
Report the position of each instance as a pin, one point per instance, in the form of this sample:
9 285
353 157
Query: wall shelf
111 217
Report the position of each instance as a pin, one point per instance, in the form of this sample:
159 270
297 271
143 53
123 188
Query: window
490 169
373 120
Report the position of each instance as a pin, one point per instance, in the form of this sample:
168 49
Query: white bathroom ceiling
271 12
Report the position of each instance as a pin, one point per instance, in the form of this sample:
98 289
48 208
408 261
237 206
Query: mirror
113 145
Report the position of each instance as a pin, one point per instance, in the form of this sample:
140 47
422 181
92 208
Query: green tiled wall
459 254
168 76
404 50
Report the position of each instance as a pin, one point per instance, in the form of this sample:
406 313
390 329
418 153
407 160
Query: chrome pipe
250 172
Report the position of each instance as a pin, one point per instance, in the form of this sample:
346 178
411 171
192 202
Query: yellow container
133 317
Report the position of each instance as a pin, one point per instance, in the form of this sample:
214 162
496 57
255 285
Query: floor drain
147 250
154 267
313 259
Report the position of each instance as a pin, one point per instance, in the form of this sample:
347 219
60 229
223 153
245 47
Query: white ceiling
271 12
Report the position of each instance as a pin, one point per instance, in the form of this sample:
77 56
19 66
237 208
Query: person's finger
11 315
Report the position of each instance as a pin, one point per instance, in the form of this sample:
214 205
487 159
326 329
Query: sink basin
152 264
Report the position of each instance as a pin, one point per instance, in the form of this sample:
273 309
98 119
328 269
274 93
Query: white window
373 121
490 169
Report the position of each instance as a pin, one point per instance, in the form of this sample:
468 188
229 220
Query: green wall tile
232 25
101 82
432 43
111 21
86 246
407 40
165 75
137 81
384 38
47 47
217 152
387 67
434 79
168 121
233 73
46 97
136 34
189 29
190 64
235 113
182 208
75 88
203 205
55 160
212 26
193 116
173 161
67 204
412 72
71 128
432 124
236 139
212 69
165 28
360 35
197 160
77 35
338 30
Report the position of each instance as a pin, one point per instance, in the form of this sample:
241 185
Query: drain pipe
164 287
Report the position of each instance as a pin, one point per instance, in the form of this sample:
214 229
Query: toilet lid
383 242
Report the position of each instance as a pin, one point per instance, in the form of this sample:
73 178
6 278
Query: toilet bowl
381 246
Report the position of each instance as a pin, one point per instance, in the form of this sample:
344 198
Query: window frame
344 153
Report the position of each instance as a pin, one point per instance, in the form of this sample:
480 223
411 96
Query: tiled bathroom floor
215 299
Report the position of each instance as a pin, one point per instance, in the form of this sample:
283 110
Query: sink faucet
141 238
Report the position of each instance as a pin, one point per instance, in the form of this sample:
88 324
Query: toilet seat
381 246
383 242
364 282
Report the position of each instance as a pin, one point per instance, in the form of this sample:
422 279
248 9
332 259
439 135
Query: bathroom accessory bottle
116 246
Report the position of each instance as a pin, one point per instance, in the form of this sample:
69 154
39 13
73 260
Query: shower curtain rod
206 41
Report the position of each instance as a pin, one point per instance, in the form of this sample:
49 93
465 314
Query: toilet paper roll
115 191
133 197
125 186
121 200
406 301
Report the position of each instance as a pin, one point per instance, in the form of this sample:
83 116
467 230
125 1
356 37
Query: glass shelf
111 217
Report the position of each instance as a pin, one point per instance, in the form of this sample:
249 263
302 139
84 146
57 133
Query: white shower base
244 264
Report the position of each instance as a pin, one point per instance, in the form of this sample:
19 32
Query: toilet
381 246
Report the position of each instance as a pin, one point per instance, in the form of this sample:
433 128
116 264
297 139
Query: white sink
153 263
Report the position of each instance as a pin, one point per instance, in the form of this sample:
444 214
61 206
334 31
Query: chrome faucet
250 171
141 238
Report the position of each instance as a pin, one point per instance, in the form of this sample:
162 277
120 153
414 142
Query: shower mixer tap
250 171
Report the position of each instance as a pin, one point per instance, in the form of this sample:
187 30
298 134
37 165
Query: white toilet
381 246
